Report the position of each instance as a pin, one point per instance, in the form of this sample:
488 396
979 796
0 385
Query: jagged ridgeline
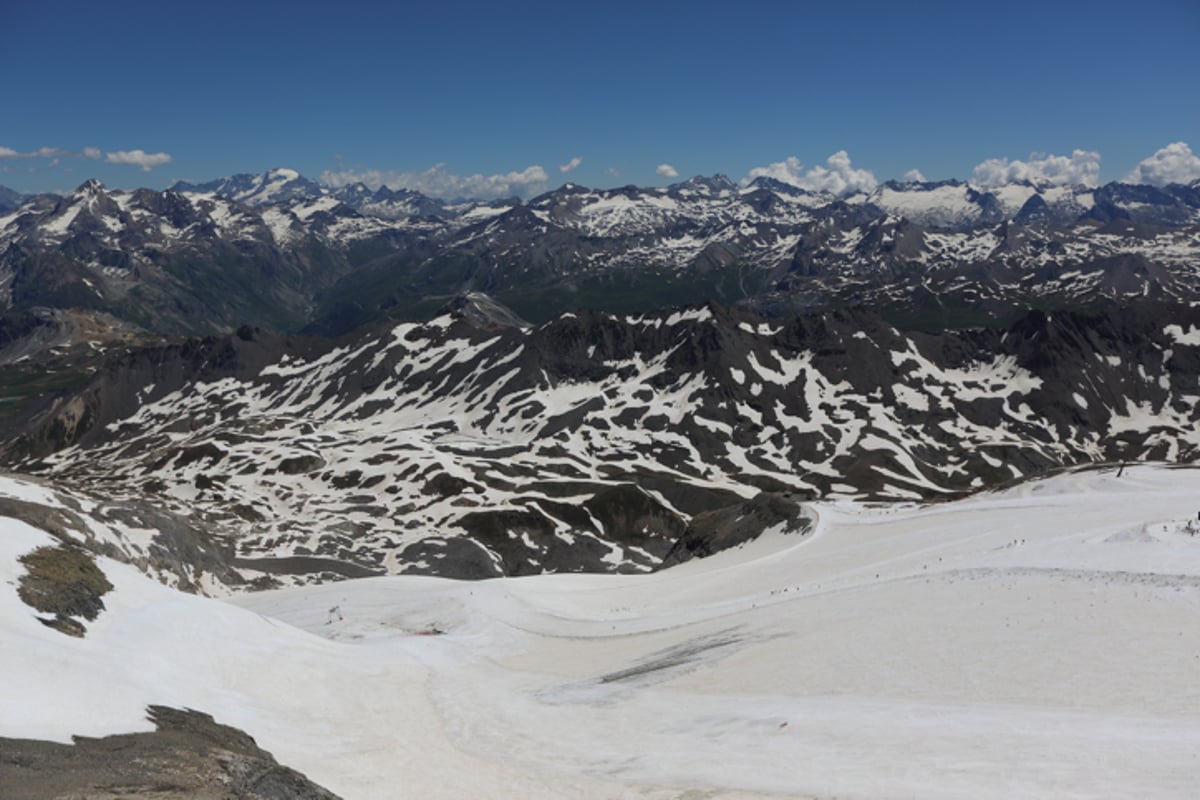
287 254
475 445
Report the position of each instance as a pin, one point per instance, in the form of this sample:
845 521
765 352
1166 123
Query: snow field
1039 642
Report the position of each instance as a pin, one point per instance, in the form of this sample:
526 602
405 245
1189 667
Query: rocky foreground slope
472 446
190 755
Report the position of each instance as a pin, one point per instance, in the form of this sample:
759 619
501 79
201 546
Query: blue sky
433 93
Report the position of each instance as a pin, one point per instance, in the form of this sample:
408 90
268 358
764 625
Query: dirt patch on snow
65 582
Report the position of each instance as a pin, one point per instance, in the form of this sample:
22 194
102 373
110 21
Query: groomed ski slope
1040 642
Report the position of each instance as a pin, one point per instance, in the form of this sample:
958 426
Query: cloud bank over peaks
1081 168
837 177
439 182
1175 163
915 176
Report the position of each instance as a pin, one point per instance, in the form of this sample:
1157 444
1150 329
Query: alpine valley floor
1036 642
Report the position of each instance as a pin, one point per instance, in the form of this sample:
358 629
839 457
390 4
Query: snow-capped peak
279 185
88 188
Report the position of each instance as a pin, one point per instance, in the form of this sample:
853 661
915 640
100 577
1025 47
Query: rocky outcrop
189 755
713 531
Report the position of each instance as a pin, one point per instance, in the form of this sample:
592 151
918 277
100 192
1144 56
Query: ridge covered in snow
476 447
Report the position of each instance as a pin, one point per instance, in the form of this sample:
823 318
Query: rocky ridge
189 755
591 442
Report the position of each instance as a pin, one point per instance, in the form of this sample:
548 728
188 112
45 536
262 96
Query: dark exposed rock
628 514
297 465
445 485
713 531
190 755
455 557
483 311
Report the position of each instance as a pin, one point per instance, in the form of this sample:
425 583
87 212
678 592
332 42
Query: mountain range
283 252
98 270
859 460
307 382
476 446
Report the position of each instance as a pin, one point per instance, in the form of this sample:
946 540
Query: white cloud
1082 167
914 175
838 177
41 152
1175 163
666 171
612 172
570 165
438 182
138 158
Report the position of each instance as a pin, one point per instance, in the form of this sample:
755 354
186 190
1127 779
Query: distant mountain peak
715 183
90 186
9 198
483 311
278 185
778 186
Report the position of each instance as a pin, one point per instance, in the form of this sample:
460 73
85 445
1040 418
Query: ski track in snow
1036 642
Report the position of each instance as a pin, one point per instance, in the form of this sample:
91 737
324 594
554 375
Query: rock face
190 755
711 532
472 449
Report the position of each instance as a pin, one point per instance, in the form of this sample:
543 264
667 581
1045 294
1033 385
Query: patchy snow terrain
589 442
1036 642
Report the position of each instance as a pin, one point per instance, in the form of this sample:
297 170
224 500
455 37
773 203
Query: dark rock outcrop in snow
190 755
